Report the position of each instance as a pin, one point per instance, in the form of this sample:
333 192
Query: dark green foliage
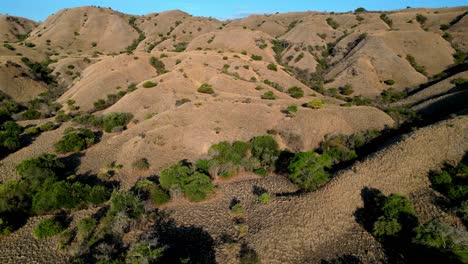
346 90
85 228
401 114
419 68
389 82
332 23
452 181
278 47
256 57
272 67
5 228
10 136
342 147
391 95
149 84
296 92
269 95
292 25
307 169
40 70
158 65
444 27
179 47
140 38
396 217
226 158
30 114
265 149
387 20
75 140
8 46
39 168
113 120
48 228
421 19
291 110
159 196
197 187
275 85
206 88
127 203
360 10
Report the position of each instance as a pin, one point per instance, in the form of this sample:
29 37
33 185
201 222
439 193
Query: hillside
183 139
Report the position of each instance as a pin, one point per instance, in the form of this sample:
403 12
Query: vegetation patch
48 228
149 84
75 140
206 88
296 92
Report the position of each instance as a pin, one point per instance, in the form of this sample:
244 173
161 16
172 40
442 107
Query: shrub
421 19
5 228
10 136
291 109
32 131
76 140
269 95
264 198
419 68
226 158
237 209
48 126
48 228
174 176
315 104
158 65
197 187
296 92
391 95
85 228
149 84
206 88
39 168
143 252
360 10
30 114
389 82
113 120
397 217
127 203
256 57
8 46
332 23
307 169
141 164
444 27
346 90
299 57
272 67
159 196
265 149
387 20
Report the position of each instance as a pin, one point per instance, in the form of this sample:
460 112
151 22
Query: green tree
307 169
47 228
176 175
197 187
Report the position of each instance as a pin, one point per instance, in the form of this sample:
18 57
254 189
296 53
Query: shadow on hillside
185 244
344 259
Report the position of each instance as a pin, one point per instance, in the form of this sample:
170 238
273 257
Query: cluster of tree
395 224
75 140
42 189
112 122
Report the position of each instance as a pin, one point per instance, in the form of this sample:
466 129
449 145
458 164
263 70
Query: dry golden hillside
275 138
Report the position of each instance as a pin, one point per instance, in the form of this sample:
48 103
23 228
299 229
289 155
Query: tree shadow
257 190
184 243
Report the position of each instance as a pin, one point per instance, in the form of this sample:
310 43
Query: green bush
8 46
421 19
149 84
158 65
419 68
10 136
265 149
113 120
264 198
75 141
269 95
226 158
332 23
296 92
197 187
391 95
85 228
141 164
206 88
159 196
256 57
387 20
346 90
315 104
397 217
48 228
5 228
30 114
389 82
272 67
237 209
144 253
291 109
175 175
39 168
307 169
127 203
360 10
48 126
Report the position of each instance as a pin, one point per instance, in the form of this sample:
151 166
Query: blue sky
228 9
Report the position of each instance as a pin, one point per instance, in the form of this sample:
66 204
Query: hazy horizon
210 8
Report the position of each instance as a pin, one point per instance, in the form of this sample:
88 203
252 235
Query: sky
39 10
